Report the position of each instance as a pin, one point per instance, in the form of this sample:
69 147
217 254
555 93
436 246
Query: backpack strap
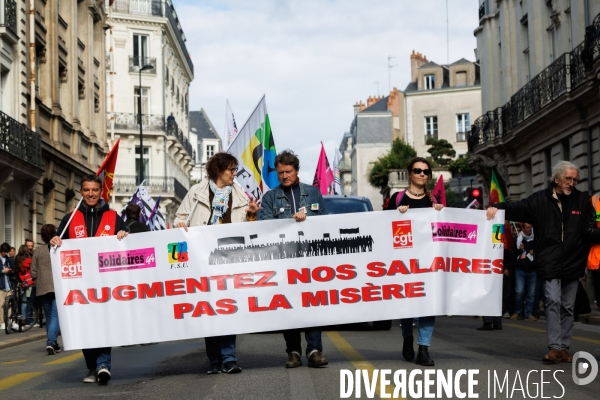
399 197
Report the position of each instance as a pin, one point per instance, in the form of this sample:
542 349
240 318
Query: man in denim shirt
294 199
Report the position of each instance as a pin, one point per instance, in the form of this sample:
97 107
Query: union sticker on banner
124 260
70 264
453 232
402 234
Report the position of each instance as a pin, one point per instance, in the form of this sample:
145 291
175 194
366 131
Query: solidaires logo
178 252
497 233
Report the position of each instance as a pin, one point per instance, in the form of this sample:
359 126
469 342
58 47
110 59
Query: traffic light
475 194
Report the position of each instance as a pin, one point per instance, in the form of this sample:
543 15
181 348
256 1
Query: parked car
353 204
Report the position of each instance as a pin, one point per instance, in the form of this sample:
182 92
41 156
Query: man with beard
564 223
92 218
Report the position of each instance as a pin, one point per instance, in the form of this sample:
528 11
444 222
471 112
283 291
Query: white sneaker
2 326
15 326
90 377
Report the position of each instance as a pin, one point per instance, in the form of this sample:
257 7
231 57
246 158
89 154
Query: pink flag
439 192
323 174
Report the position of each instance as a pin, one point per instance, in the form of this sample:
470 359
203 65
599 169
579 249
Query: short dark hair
12 248
287 157
28 240
4 247
133 211
47 232
91 178
219 163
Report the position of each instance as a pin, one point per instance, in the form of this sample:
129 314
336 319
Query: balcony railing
8 15
152 122
137 62
20 141
483 9
562 76
170 14
156 185
139 7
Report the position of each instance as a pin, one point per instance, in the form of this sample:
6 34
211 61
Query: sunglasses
418 171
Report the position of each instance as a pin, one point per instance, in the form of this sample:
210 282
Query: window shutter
8 221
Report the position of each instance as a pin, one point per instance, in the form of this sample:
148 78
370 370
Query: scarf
522 236
220 202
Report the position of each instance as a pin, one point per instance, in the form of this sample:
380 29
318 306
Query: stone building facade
148 33
53 110
206 140
540 74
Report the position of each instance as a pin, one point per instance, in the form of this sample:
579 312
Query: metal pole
140 122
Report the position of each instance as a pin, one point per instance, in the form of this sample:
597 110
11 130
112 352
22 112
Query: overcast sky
314 59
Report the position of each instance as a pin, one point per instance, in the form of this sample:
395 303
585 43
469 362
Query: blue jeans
293 340
52 326
425 329
96 358
220 349
525 282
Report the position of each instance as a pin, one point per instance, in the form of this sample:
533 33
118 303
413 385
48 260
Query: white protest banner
270 275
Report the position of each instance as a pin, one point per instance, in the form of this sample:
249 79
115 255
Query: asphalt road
177 370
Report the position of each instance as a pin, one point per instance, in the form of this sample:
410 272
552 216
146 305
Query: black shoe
53 349
423 357
408 351
103 376
215 368
487 326
231 367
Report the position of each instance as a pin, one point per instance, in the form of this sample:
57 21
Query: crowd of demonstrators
560 254
41 273
215 201
8 278
92 218
416 196
294 199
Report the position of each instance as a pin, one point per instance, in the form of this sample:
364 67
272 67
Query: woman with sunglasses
214 201
416 196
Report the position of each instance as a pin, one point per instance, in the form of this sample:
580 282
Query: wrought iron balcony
8 15
173 130
151 122
156 185
137 62
174 21
20 141
565 74
139 7
483 9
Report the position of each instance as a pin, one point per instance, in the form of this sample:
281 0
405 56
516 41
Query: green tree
398 158
460 165
441 151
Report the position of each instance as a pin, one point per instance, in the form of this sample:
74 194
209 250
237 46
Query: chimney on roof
358 107
416 60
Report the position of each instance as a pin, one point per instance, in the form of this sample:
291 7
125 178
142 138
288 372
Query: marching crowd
544 266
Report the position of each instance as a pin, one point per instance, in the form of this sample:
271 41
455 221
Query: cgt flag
254 147
323 174
106 172
439 191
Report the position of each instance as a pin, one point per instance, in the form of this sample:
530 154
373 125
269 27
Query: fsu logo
178 252
80 231
402 234
497 233
70 264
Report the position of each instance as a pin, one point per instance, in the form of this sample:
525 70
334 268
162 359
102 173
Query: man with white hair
564 223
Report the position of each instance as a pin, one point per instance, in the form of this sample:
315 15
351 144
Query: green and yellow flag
496 195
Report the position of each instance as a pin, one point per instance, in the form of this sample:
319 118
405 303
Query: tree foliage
398 158
460 165
441 151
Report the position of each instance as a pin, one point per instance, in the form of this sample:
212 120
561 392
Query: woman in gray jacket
41 272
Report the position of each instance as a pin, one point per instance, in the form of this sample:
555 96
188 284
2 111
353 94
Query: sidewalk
15 339
592 318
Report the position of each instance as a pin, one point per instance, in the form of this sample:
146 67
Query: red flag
107 171
323 174
439 191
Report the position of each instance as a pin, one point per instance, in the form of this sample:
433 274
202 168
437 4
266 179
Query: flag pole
71 218
187 220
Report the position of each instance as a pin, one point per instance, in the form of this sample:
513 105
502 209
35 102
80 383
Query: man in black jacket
132 211
564 223
92 218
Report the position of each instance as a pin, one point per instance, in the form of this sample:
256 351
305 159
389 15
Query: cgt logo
402 234
497 233
178 252
70 264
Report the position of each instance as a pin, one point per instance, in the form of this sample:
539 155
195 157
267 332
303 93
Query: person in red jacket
92 218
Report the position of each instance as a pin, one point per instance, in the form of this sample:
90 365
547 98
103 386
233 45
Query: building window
146 158
429 82
145 100
431 128
4 92
8 222
210 151
461 78
463 125
140 50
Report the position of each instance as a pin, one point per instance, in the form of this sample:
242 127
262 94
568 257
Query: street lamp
144 68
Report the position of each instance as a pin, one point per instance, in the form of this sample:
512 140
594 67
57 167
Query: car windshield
344 205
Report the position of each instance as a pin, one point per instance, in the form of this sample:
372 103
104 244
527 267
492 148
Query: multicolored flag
323 174
439 191
336 187
106 172
254 147
230 125
142 198
153 223
496 195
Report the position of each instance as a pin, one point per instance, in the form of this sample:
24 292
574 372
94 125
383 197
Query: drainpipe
32 120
